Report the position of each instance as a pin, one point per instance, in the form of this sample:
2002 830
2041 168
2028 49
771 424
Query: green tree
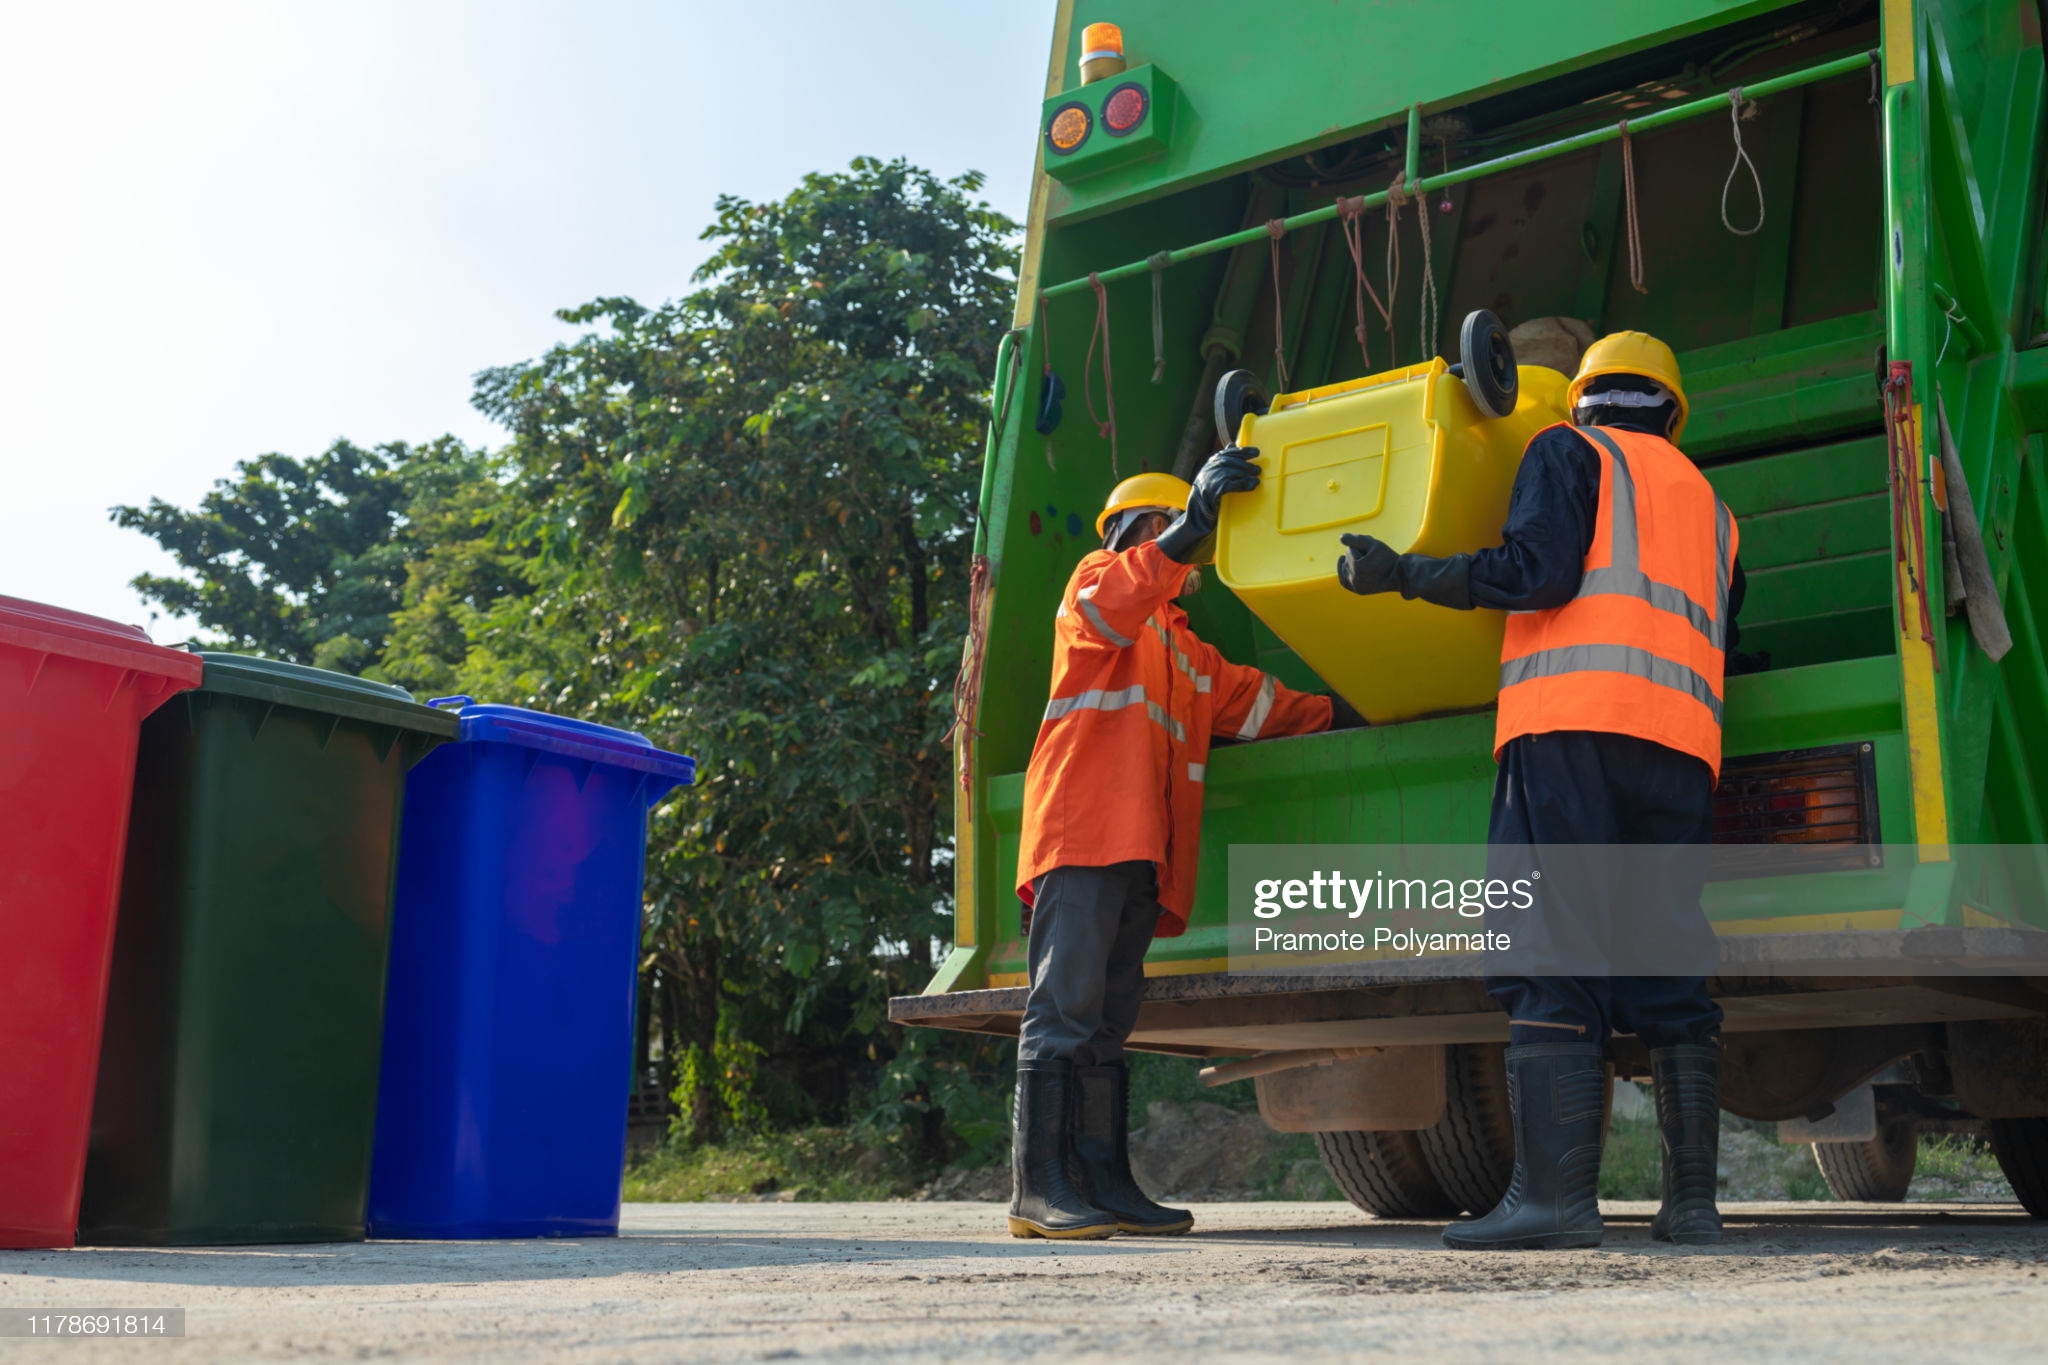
749 515
303 560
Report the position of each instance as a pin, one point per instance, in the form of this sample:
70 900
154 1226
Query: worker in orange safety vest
1112 827
1618 566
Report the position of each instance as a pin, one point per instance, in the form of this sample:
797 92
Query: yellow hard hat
1631 353
1143 490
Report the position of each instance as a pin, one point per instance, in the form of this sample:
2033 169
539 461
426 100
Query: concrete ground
766 1281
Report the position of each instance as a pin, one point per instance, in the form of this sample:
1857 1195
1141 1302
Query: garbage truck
1832 211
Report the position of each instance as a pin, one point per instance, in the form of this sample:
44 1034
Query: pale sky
227 229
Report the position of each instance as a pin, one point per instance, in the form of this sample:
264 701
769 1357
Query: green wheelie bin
237 1086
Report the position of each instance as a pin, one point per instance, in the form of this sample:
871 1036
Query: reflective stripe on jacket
1640 649
1117 773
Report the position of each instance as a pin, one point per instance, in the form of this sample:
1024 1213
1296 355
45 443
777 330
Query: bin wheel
1487 358
1874 1172
1471 1149
1384 1174
2021 1146
1237 393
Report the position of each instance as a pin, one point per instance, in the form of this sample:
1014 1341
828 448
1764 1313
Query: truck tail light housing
1824 800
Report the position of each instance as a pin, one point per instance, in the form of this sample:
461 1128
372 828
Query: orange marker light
1069 128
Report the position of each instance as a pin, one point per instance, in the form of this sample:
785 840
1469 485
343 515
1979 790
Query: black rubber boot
1045 1202
1559 1094
1688 1081
1102 1154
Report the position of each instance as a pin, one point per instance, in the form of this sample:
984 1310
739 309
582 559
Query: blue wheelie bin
508 1023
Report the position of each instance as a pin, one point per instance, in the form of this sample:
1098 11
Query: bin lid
571 738
55 630
322 689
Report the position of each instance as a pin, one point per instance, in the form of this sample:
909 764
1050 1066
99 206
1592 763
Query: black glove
1189 538
1371 566
1344 716
1741 661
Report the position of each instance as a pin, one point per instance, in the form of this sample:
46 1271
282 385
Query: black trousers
1586 788
1089 932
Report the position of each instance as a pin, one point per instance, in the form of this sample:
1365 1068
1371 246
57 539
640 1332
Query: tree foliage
739 522
303 560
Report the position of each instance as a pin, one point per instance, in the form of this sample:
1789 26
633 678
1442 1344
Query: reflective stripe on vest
1637 663
1097 699
1623 576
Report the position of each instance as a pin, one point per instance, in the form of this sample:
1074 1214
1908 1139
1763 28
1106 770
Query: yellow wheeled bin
1406 456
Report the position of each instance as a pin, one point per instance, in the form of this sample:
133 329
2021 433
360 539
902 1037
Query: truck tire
2021 1146
1471 1149
1873 1172
1384 1174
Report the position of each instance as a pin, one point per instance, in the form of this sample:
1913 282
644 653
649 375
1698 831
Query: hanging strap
1909 548
1429 321
1397 195
967 682
1158 263
1351 217
1628 192
1741 160
1105 428
1276 228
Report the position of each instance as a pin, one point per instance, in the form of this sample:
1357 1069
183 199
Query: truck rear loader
1832 211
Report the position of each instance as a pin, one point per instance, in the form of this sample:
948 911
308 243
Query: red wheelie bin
73 693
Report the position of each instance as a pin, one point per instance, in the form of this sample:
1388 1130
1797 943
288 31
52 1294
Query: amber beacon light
1102 52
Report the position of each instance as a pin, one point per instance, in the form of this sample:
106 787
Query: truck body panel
1901 224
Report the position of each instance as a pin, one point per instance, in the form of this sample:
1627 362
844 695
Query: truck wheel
1873 1172
1471 1149
1384 1174
2021 1146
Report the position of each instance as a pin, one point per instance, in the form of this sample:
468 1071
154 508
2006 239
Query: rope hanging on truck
1741 160
1909 544
1479 170
1351 218
1399 194
1396 196
1431 321
1628 191
1102 428
1276 229
967 683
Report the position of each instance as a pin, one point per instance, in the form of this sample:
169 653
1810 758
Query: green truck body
1898 148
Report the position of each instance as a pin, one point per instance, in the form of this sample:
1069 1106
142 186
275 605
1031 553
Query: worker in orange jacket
1618 566
1112 827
